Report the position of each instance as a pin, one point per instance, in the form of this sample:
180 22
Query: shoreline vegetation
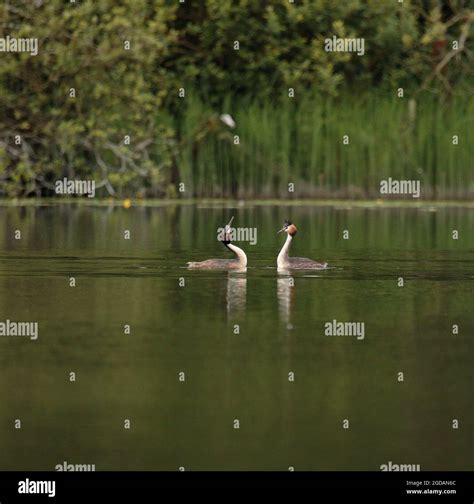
230 203
304 147
237 99
330 148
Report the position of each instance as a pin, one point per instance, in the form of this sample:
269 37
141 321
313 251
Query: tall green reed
300 141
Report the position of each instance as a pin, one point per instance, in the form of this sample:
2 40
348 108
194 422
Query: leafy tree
75 102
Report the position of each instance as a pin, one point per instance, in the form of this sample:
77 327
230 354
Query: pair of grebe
284 261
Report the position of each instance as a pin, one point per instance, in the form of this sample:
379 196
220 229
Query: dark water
191 329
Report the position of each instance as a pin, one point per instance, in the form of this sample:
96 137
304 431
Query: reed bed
300 141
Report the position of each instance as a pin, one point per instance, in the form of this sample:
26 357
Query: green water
190 328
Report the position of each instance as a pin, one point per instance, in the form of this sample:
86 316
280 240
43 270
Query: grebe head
289 228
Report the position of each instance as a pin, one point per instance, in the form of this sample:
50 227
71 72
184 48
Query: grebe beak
227 229
282 229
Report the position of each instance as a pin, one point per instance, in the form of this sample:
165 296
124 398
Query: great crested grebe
239 263
286 262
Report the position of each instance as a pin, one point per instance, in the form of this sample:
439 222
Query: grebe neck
241 256
283 255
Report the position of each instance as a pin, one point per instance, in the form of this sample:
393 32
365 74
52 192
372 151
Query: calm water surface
191 328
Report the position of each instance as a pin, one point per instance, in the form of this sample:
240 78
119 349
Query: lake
209 351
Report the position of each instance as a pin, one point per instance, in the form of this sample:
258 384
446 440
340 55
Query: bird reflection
236 293
286 296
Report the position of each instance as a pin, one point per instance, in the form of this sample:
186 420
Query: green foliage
282 44
192 45
117 92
